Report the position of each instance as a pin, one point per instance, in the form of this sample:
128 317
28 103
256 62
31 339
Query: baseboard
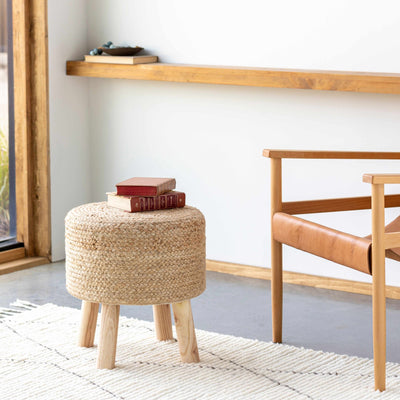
248 271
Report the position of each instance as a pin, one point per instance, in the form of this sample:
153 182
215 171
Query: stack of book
146 194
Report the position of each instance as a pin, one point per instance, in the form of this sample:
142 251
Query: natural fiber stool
114 257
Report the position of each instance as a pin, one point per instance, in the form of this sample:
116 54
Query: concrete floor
313 318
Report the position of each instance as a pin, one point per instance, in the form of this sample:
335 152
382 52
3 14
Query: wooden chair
364 254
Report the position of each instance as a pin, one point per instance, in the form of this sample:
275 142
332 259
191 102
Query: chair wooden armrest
377 179
327 205
354 155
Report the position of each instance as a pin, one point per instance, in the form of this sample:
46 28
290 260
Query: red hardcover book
132 204
145 186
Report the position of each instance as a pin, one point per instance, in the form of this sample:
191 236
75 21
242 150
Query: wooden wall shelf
243 76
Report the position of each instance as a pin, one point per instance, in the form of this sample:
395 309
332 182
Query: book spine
147 60
162 202
135 204
166 187
136 191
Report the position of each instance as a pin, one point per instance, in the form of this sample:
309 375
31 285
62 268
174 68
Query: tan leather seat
342 248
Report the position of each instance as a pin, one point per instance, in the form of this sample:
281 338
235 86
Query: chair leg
378 286
276 252
276 291
87 331
379 334
108 336
162 321
185 331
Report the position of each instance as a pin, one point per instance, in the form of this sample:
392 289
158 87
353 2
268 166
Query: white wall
211 137
69 128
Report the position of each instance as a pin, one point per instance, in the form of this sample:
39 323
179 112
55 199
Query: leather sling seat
340 247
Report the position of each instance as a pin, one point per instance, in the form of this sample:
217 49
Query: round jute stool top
115 257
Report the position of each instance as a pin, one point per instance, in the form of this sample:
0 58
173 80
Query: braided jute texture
115 257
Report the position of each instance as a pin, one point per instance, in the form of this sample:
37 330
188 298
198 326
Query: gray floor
313 318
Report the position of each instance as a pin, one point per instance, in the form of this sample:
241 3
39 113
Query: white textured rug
39 359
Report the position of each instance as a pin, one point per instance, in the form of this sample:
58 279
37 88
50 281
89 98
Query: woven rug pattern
39 359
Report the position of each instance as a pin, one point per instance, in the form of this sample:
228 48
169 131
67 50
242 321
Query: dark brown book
133 204
145 186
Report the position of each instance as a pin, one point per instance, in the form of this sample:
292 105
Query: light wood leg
87 331
378 286
185 331
108 336
163 322
276 291
276 253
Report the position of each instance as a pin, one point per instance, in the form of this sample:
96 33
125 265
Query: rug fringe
18 307
25 305
7 312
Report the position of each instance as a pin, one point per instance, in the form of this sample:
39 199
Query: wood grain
333 205
40 128
108 336
163 321
22 263
185 331
276 252
321 154
22 122
381 178
242 76
31 126
378 285
297 278
10 255
87 329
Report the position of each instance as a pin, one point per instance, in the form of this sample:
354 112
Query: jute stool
114 257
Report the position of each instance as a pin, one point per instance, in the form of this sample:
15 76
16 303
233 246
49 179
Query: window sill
21 263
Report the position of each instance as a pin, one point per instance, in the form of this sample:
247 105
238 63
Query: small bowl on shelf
122 51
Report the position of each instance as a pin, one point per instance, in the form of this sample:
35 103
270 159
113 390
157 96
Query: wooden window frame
31 122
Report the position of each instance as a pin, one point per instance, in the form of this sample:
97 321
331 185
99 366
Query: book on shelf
173 199
131 60
145 186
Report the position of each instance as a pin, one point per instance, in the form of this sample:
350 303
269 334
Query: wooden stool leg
87 331
108 336
378 286
162 321
185 331
276 253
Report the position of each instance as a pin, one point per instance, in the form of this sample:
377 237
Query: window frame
31 127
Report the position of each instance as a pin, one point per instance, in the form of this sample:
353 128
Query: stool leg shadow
87 331
185 331
163 322
108 336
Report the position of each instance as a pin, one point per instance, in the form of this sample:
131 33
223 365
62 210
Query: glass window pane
7 218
